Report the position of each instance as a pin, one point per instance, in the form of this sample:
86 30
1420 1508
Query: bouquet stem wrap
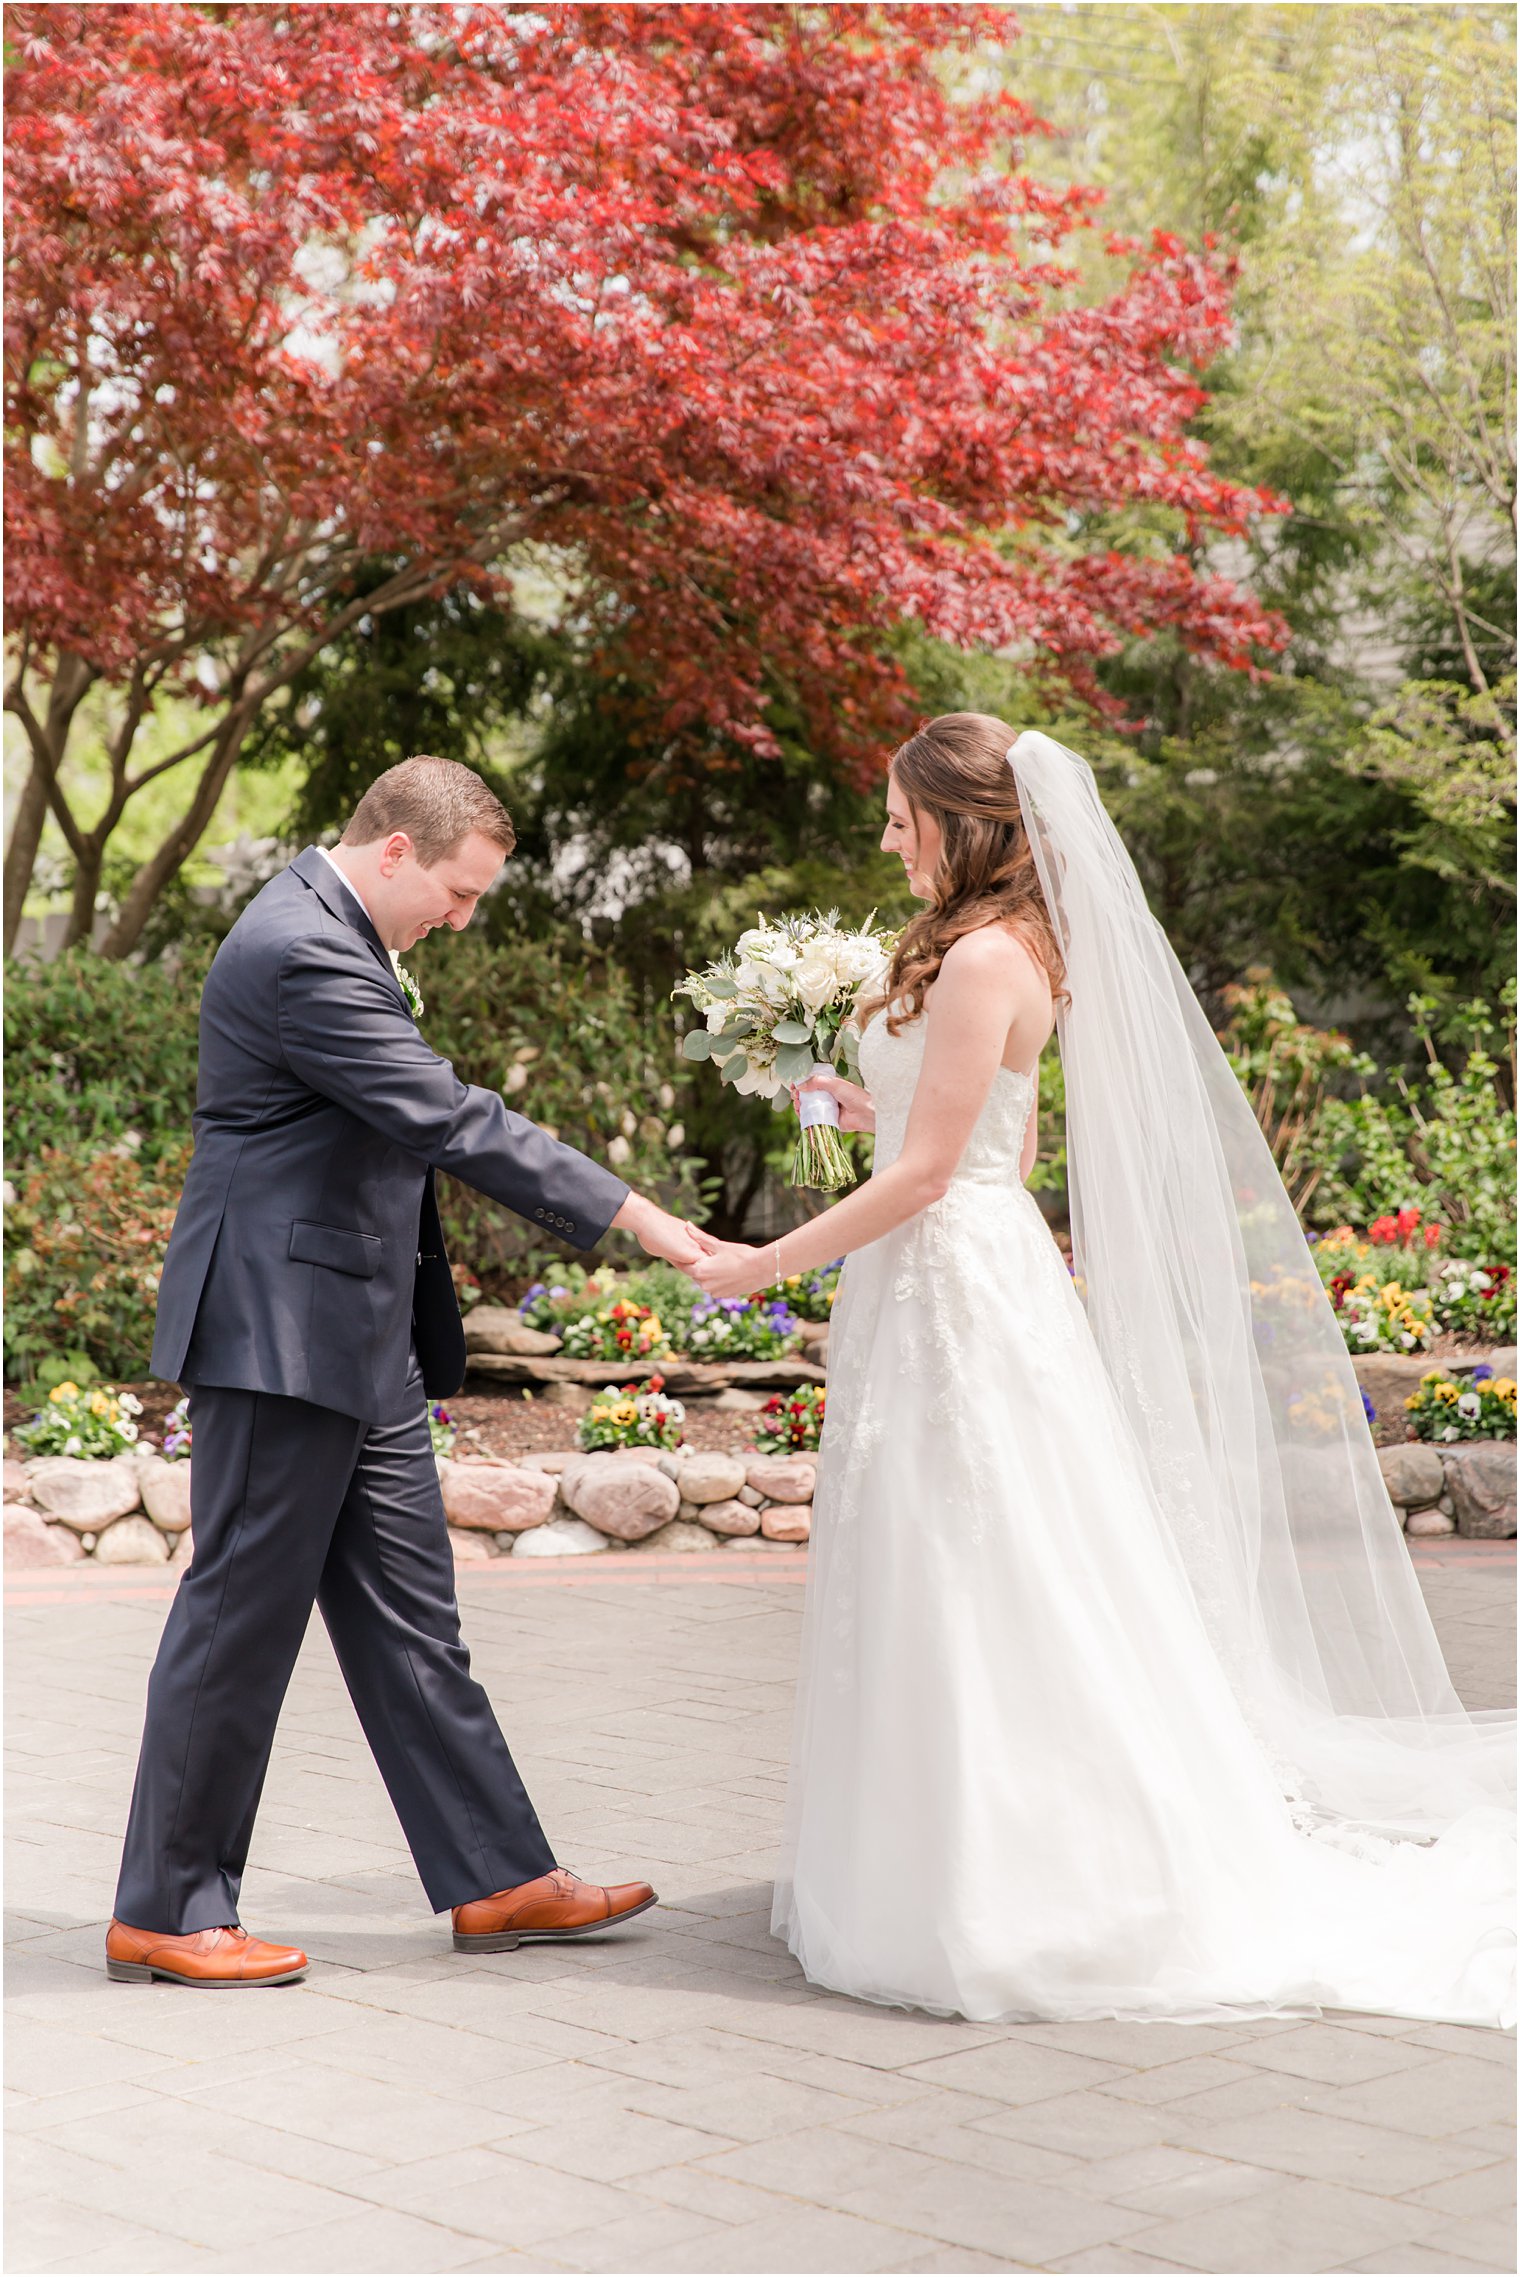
819 1160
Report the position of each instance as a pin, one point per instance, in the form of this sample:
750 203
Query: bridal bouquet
775 1008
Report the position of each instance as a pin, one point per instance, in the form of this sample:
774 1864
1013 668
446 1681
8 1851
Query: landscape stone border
135 1509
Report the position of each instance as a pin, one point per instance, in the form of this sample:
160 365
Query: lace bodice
889 1068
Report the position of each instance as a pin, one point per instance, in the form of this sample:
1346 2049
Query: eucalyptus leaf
792 1032
696 1044
719 984
794 1063
733 1067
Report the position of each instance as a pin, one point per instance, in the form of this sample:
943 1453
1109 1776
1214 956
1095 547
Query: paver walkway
675 2098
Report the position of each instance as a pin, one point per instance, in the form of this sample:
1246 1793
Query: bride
1118 1694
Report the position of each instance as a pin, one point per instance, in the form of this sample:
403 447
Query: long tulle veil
1231 1368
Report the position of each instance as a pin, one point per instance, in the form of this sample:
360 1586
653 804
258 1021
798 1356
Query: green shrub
1443 1141
95 1052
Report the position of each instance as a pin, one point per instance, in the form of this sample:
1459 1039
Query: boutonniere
408 986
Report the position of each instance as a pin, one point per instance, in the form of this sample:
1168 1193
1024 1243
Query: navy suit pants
294 1505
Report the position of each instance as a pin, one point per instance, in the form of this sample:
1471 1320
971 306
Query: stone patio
675 2098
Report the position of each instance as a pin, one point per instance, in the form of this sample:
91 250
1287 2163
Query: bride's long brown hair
956 770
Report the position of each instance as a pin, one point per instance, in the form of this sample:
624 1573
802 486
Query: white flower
1469 1405
515 1078
861 957
618 1150
676 1135
1483 1282
630 1122
1450 1432
666 1096
758 1083
129 1404
72 1445
127 1431
716 1015
816 979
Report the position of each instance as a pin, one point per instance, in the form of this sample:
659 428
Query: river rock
557 1460
30 1541
786 1521
1480 1478
165 1489
131 1541
736 1402
496 1498
16 1487
748 1494
1412 1474
469 1548
1422 1523
731 1517
87 1496
184 1550
627 1500
501 1328
781 1478
560 1538
680 1534
710 1478
575 1398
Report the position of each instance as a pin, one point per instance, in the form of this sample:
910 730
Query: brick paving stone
676 2097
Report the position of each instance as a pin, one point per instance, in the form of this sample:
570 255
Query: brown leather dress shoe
207 1957
556 1905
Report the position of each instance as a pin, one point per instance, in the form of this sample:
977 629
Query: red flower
1407 1220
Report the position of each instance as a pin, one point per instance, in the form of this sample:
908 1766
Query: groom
307 1305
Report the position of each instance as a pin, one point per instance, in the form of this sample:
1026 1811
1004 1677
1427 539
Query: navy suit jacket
306 1254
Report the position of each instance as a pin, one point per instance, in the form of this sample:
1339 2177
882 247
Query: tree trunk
124 934
21 854
81 924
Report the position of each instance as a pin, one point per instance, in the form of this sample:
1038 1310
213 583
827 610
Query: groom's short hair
437 802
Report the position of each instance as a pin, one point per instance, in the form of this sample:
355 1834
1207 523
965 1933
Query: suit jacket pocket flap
336 1246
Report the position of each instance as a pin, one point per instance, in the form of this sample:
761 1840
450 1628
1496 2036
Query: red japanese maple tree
735 307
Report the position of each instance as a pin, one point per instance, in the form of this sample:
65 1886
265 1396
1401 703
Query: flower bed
1395 1289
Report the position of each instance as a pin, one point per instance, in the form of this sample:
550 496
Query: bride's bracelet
776 1245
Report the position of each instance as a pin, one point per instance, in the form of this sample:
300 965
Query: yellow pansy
61 1392
1447 1393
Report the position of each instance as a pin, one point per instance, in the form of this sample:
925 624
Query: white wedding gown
1021 1784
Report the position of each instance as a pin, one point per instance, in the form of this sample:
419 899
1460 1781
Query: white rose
861 957
716 1015
816 979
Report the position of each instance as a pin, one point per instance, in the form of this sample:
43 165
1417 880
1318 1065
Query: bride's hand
733 1270
857 1109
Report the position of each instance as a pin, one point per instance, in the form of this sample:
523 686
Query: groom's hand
661 1235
